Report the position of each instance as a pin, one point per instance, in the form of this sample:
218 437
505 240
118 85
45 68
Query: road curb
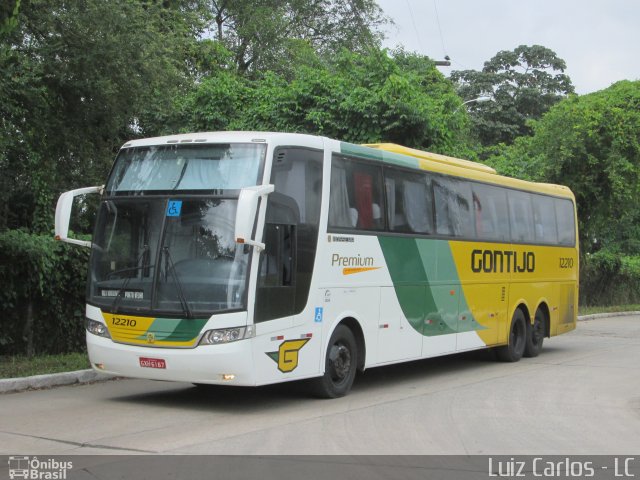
594 316
10 385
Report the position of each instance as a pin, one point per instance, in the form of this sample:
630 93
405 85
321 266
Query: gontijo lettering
501 261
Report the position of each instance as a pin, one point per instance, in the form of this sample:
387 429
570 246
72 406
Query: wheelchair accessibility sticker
173 208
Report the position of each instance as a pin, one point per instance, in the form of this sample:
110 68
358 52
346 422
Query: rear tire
340 365
535 334
513 351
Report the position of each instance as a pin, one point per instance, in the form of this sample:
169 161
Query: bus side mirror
246 213
63 214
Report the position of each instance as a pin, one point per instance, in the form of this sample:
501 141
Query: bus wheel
340 365
535 334
517 339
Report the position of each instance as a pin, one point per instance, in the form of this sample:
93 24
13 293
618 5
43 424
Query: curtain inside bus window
477 209
441 198
339 209
415 206
364 199
390 186
186 167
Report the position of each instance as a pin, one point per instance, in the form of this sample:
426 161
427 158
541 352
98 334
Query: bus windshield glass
164 239
186 167
148 260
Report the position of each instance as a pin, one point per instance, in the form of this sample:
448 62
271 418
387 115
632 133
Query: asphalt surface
580 396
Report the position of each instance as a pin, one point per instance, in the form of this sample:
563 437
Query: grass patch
582 310
22 366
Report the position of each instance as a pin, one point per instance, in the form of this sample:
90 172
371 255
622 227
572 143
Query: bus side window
491 216
521 217
565 222
544 219
453 208
409 202
356 195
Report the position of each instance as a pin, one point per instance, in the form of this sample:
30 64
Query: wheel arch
354 325
543 305
524 306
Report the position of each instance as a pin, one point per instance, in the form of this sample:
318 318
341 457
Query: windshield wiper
129 269
183 299
123 288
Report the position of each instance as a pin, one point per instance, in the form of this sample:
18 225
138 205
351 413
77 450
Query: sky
598 39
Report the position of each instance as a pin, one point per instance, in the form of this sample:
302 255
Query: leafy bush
42 298
607 278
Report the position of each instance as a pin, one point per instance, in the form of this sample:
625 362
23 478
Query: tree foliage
523 84
41 300
75 77
590 143
399 98
264 34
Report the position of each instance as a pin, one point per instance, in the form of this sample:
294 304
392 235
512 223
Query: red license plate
152 362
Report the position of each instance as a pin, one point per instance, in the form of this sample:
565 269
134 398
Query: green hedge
42 296
607 278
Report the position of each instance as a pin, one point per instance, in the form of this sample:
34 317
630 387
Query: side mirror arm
246 214
63 214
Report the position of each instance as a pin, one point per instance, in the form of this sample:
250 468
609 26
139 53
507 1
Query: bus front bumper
226 364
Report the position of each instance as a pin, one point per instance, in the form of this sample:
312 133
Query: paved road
581 396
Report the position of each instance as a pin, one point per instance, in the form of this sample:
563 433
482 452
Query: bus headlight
227 335
97 328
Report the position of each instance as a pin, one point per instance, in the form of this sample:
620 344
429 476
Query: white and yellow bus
252 258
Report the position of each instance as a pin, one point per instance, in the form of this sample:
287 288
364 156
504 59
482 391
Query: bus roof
394 154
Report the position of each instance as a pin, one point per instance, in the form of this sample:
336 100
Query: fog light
228 376
99 366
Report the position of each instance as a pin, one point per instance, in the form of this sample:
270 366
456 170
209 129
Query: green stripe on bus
175 330
424 273
377 154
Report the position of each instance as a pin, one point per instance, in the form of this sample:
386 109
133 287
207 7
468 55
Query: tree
360 98
262 33
523 84
76 78
590 143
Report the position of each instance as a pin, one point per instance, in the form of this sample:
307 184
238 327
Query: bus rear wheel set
525 338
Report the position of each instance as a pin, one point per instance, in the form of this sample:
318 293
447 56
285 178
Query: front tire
535 334
340 365
513 351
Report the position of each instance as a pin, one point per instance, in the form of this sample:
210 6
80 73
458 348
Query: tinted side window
544 219
452 199
565 222
491 214
356 199
290 234
521 217
409 202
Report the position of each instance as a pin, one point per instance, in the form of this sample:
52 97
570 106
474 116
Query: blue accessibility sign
173 208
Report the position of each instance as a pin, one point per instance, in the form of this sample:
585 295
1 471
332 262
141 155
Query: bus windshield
148 258
164 240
